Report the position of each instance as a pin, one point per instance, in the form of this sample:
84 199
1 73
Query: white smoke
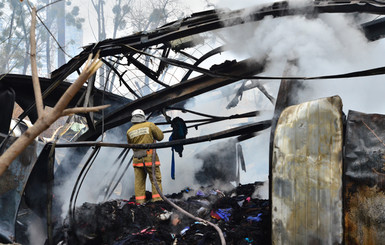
329 44
36 230
326 45
214 103
262 192
235 5
104 172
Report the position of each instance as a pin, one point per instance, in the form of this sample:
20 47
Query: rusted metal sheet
12 184
364 196
307 174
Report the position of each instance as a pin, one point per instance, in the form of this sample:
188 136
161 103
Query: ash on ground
242 217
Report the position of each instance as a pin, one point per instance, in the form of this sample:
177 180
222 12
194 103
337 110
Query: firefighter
143 132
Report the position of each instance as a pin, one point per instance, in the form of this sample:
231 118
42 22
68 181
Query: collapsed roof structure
152 55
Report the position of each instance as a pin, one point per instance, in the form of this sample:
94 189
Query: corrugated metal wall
364 197
307 174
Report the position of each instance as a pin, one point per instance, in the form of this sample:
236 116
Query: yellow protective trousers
140 183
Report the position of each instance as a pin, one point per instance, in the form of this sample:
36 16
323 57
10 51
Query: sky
329 44
87 11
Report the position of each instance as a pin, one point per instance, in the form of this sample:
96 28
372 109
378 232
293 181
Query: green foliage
128 15
1 9
126 8
75 11
116 10
15 27
120 12
72 18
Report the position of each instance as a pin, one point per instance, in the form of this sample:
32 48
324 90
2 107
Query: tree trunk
9 41
26 35
47 118
101 36
48 41
61 30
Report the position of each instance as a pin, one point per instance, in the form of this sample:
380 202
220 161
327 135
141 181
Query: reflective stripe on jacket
147 164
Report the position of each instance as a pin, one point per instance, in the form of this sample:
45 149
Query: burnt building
325 169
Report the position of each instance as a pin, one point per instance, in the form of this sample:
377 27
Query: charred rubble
240 213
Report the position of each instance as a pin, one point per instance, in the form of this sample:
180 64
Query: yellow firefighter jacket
144 133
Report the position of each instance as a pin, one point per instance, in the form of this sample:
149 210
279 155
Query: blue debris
255 218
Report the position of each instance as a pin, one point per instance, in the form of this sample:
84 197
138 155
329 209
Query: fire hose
222 238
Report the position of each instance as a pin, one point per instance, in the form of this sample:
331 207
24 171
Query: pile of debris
242 217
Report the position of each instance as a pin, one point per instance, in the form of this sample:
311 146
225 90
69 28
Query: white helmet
138 116
138 112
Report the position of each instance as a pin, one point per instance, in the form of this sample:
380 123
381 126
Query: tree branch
35 76
48 117
76 110
48 5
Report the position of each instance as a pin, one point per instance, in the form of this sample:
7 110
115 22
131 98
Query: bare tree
120 10
45 117
146 15
14 35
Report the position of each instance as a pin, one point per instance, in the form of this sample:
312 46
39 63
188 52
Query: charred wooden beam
89 102
121 79
203 58
211 20
174 94
375 29
163 65
147 71
237 131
